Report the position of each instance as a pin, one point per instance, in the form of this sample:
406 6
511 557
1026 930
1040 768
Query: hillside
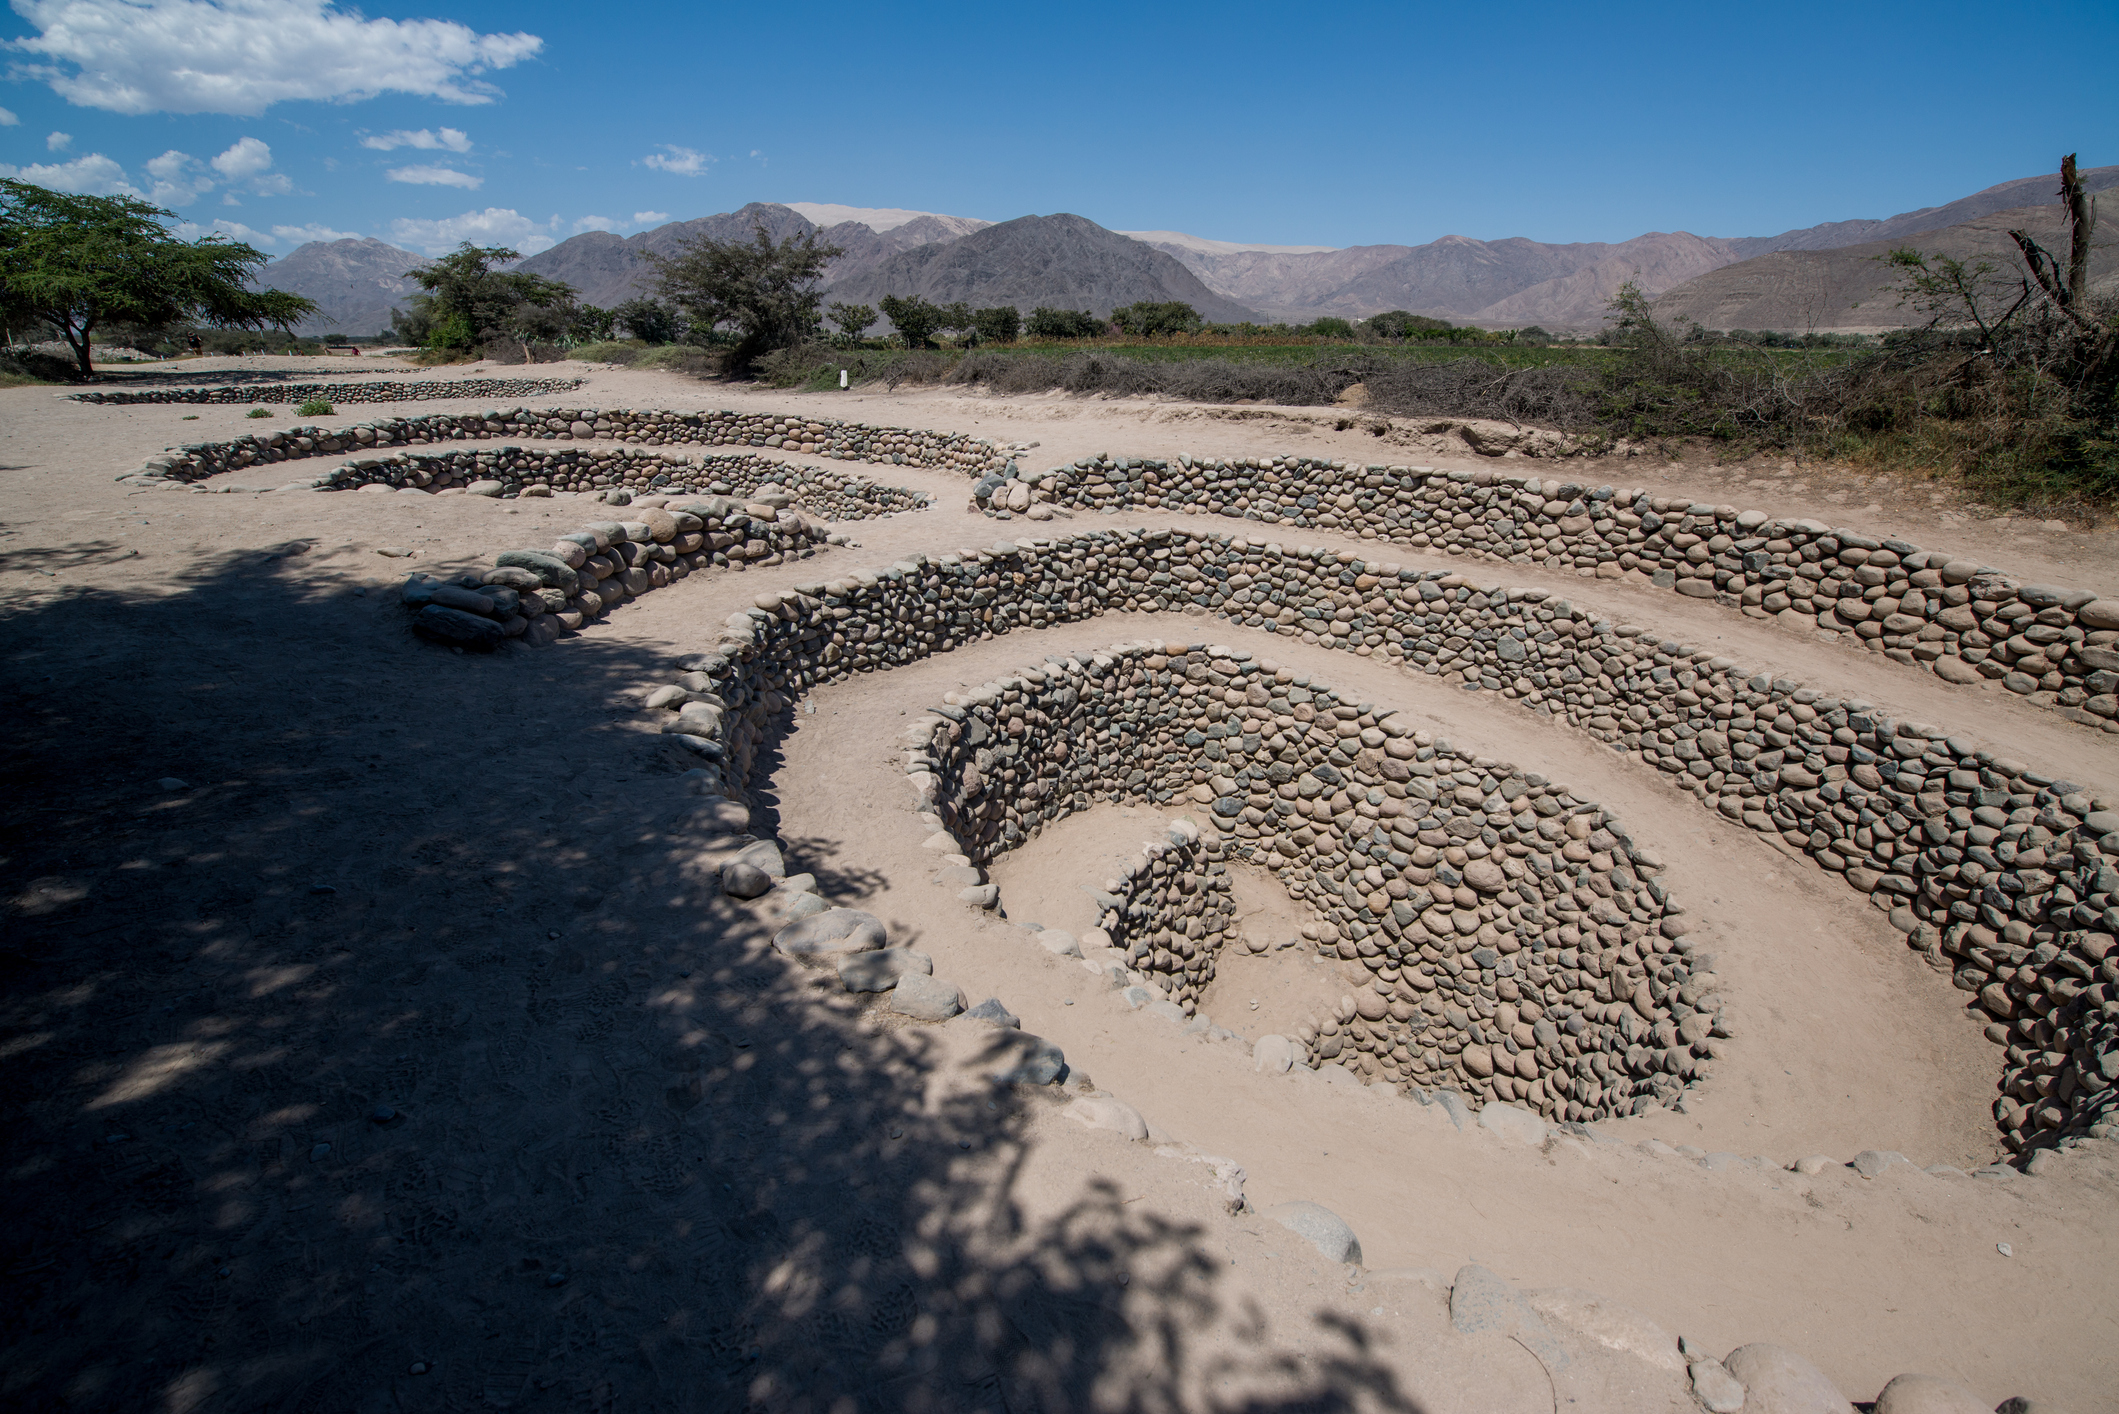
1517 281
1851 288
2002 196
606 269
1063 261
355 283
1816 277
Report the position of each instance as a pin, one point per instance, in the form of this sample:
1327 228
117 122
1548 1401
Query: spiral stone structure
1385 733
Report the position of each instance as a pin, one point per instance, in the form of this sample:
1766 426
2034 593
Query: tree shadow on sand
400 1038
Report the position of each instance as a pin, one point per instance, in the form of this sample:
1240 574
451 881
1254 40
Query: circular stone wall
1522 949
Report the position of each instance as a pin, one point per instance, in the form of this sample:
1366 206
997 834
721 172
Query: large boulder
1929 1394
925 998
821 939
1779 1381
456 628
741 880
1274 1055
880 970
1105 1112
1319 1226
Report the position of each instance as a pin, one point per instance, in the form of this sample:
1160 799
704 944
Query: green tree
468 302
1048 323
956 318
853 319
914 319
1956 292
1147 319
998 325
76 262
648 320
1403 324
593 324
1330 327
764 290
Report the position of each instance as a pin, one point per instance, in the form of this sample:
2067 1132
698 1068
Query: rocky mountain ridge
1069 260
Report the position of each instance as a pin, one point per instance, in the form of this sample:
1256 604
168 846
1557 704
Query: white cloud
243 56
7 119
596 223
650 218
681 161
93 175
246 157
435 177
496 225
59 142
302 234
191 231
179 177
447 140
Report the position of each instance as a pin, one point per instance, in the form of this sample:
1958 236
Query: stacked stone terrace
829 438
1519 946
376 392
1989 865
1957 618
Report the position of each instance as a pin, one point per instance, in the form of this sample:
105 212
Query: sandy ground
634 1163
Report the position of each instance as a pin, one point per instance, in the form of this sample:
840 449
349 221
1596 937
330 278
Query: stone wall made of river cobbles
1993 868
535 593
1957 618
1518 943
380 392
829 438
511 472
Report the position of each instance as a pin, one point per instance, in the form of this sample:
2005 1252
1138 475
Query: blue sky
522 123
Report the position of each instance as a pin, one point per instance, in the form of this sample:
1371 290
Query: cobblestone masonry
1993 868
1957 618
379 392
839 441
511 472
1496 914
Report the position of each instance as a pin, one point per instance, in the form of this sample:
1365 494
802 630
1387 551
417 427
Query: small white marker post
842 378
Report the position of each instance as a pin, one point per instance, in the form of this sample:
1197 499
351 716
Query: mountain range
1821 277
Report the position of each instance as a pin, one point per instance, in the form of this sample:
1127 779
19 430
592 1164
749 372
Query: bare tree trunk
2082 222
83 348
2066 292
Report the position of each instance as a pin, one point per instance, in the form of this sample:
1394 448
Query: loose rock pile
584 574
1957 618
1897 809
1519 946
830 438
379 392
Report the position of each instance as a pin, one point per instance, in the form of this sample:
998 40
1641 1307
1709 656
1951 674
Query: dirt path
632 1162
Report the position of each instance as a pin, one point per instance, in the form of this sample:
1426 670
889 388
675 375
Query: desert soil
271 863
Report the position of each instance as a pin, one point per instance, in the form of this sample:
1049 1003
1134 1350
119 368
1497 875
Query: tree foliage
1049 323
1403 324
854 320
915 319
998 325
1148 318
650 321
763 290
469 302
77 262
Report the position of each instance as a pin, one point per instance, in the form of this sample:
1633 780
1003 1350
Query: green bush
259 412
19 367
1047 323
998 325
1148 319
315 407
